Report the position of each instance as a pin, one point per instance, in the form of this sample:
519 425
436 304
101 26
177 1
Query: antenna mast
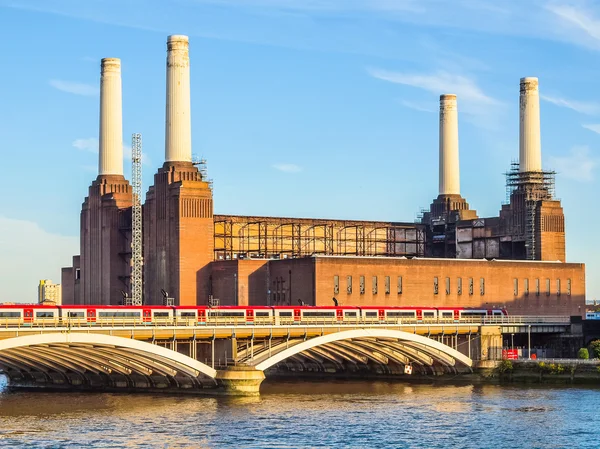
136 220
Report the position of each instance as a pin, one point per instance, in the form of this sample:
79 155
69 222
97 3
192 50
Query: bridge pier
240 380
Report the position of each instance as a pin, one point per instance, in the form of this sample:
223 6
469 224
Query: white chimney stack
449 169
111 119
530 147
178 132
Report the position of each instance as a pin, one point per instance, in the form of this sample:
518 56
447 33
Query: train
70 315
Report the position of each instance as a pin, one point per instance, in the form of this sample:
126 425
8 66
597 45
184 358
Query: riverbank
547 372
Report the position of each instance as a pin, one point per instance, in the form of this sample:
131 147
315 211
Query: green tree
583 353
595 346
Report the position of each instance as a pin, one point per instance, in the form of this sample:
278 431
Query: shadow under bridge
384 351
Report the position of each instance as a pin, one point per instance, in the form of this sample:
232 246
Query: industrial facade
192 256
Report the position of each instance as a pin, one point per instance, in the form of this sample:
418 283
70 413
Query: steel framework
136 220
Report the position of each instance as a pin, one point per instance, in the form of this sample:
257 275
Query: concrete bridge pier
240 380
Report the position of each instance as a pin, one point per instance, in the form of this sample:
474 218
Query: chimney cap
178 38
529 79
110 64
448 97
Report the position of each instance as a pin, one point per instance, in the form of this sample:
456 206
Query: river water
309 414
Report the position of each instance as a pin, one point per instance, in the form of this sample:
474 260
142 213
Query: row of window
374 285
537 287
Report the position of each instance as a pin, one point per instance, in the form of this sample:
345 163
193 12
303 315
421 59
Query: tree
595 346
583 354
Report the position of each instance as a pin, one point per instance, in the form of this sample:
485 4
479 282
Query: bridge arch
409 347
83 354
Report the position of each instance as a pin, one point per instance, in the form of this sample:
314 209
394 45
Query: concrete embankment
531 371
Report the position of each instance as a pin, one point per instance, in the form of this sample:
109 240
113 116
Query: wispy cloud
593 127
580 24
287 168
91 144
583 107
75 88
419 106
578 165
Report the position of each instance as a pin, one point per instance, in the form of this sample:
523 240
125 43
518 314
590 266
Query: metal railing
277 321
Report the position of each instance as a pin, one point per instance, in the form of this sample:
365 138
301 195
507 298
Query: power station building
451 257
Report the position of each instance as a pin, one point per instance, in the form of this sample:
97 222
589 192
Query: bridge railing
276 321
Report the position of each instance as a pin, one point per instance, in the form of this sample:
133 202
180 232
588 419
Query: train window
318 314
261 314
387 285
399 285
526 287
470 286
428 314
474 314
361 284
515 286
547 287
44 314
447 286
350 314
558 287
447 314
568 287
459 286
112 314
187 315
336 284
10 314
371 314
349 284
435 285
227 313
374 285
401 314
76 314
537 287
285 314
162 314
482 286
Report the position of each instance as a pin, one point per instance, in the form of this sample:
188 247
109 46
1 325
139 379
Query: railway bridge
233 358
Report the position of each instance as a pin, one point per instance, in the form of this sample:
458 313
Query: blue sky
308 108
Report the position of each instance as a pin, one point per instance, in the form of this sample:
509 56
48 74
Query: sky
302 108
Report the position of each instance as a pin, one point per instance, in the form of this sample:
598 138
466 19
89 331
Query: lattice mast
136 220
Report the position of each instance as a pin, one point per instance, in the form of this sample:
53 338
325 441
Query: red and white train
30 314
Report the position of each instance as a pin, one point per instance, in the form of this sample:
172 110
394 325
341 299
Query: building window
374 285
459 286
387 285
336 284
516 287
482 286
537 287
558 287
547 287
447 286
399 285
568 287
526 286
77 274
349 284
435 285
471 286
361 284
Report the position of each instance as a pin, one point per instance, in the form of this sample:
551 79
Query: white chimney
178 132
111 119
530 147
449 169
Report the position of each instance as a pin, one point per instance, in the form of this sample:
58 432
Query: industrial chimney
530 151
111 119
449 168
178 131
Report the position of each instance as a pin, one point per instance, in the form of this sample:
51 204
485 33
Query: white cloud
91 144
31 254
593 127
75 88
583 107
419 106
287 168
578 24
578 164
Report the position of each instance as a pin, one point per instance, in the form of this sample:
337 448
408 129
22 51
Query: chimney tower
111 119
178 127
449 166
530 149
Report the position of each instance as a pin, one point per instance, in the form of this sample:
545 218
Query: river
349 414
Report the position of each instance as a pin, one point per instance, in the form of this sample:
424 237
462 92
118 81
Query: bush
583 353
595 346
505 366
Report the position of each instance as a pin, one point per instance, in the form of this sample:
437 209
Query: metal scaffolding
136 220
